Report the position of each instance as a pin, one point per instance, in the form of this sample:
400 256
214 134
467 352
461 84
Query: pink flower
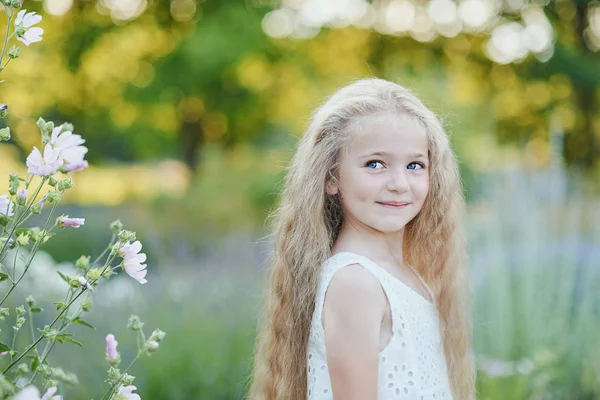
24 22
111 348
74 167
64 222
46 165
126 391
133 259
22 194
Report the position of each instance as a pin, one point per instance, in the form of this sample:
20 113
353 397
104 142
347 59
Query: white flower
23 23
28 393
70 148
49 395
46 165
126 392
32 393
133 259
6 206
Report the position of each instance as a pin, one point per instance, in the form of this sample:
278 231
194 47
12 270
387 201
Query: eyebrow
384 153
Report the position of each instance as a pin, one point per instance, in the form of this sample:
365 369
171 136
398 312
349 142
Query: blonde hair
307 222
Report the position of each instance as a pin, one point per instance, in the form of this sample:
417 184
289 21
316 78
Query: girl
368 288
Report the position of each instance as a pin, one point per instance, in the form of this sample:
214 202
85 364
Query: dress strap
423 282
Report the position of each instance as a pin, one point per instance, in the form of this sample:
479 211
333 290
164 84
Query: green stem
32 331
110 391
64 310
15 266
31 256
110 245
21 217
7 36
50 344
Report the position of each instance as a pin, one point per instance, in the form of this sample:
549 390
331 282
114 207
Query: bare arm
352 314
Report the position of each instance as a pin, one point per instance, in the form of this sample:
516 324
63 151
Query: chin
390 227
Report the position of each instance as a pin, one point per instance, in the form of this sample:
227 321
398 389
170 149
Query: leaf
35 363
4 347
79 321
3 276
36 310
64 338
64 277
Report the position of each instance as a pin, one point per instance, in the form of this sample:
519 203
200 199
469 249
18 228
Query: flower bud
65 184
82 263
134 323
127 236
116 226
16 3
14 52
31 301
5 134
45 128
3 111
157 336
21 197
151 346
94 274
67 127
20 310
112 355
37 208
23 239
53 196
13 183
86 305
52 181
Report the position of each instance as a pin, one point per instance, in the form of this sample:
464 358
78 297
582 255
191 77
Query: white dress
412 365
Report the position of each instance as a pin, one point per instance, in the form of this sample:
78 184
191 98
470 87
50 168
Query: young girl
368 288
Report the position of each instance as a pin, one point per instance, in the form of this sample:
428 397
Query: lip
394 204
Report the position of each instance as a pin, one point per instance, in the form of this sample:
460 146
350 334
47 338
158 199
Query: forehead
398 134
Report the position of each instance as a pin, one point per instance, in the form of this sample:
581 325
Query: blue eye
371 162
416 163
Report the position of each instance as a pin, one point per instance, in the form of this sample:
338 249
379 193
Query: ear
331 187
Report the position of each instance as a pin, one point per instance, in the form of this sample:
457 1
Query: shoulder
355 294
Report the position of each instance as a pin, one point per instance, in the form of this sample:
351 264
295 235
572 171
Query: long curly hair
307 222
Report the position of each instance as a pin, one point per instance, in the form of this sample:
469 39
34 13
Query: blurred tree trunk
192 140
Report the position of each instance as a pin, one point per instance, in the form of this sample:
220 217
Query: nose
398 181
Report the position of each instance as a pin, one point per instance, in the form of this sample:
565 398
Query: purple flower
22 194
74 167
64 222
111 348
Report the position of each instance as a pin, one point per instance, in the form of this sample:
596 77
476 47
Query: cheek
421 188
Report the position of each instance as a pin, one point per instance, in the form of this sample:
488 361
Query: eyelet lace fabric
411 366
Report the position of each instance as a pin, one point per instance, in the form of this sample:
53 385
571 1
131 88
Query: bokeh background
191 111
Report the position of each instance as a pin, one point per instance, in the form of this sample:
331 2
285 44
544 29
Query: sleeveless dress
412 365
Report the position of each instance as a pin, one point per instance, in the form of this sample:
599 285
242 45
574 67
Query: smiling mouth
394 204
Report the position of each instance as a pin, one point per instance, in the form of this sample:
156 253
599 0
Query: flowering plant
62 153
